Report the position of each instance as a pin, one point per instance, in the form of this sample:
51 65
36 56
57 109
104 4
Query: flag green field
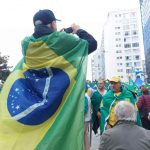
42 101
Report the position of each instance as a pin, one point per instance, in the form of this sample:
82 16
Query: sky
16 19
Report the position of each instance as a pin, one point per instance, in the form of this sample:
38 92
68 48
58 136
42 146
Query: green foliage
4 68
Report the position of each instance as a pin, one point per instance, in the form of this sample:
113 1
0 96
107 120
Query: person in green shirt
116 94
96 101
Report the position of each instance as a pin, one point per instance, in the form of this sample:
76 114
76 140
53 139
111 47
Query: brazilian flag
42 101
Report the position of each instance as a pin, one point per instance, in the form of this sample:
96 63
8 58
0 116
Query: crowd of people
119 113
122 117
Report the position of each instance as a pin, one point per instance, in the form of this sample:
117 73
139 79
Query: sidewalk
95 141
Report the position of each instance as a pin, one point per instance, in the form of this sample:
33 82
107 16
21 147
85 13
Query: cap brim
115 81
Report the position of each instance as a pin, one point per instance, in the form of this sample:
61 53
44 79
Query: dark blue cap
44 17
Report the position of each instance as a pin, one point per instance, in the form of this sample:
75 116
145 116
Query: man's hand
98 115
75 28
149 116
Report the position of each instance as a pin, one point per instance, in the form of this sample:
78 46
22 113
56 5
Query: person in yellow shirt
116 94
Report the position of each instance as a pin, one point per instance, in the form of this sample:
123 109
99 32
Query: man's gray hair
125 111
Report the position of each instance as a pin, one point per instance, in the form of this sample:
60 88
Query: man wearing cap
42 96
113 96
45 24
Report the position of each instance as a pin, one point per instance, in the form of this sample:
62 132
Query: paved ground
95 141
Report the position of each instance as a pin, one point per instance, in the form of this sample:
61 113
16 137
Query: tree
4 68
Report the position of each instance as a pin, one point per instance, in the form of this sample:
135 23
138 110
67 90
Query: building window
128 58
128 51
117 33
134 32
117 28
126 27
135 50
136 57
127 39
129 64
118 51
127 45
118 39
119 64
135 44
126 33
120 57
133 14
133 26
119 70
137 64
128 70
135 38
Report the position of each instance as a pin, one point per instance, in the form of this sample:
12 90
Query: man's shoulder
143 130
109 94
96 93
96 96
68 36
109 133
136 130
127 93
146 97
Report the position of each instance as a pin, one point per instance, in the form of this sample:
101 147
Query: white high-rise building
98 62
121 44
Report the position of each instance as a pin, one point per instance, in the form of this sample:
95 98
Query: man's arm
84 35
89 38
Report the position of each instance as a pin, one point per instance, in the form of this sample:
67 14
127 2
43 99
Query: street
95 141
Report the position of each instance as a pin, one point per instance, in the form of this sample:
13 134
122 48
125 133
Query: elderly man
125 135
111 98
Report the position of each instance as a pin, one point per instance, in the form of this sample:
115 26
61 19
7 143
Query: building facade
145 17
98 62
121 47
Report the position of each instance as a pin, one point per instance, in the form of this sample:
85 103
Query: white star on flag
36 80
17 107
16 89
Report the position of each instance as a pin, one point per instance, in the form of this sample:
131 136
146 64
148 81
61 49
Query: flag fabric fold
42 101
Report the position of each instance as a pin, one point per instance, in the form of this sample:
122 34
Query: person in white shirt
87 117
